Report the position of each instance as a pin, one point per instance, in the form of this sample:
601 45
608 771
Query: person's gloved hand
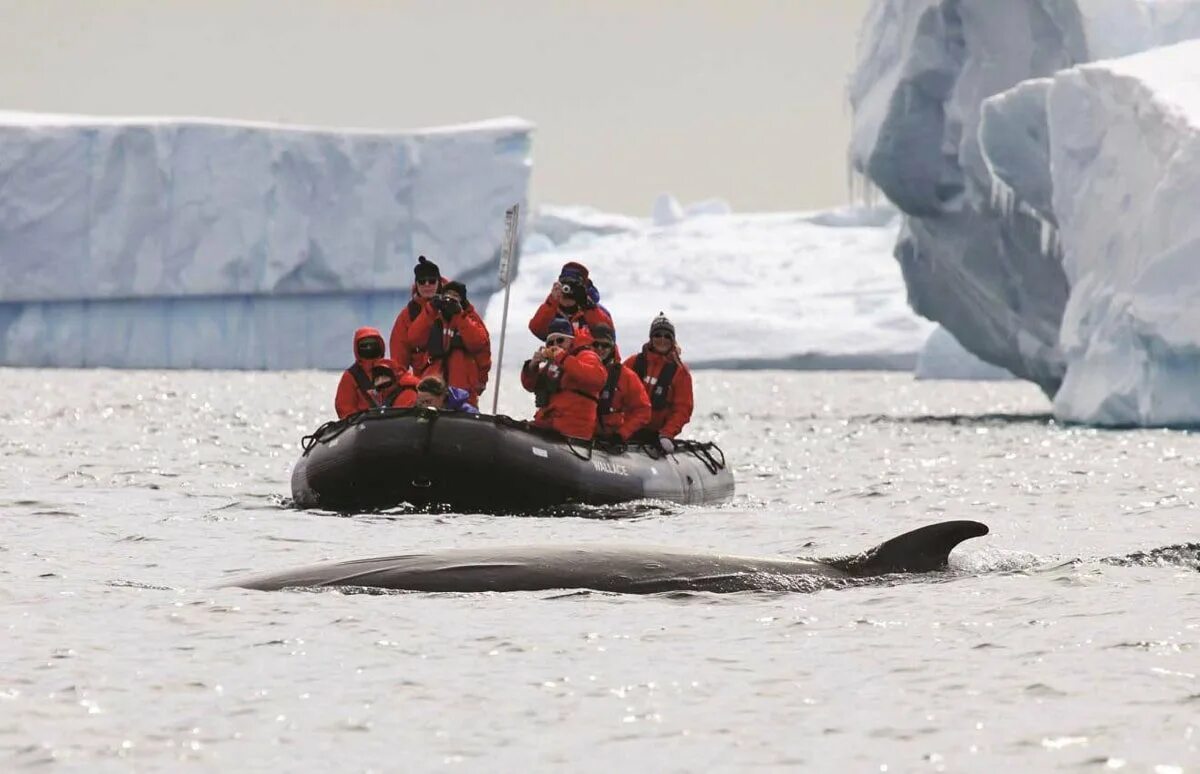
450 307
666 444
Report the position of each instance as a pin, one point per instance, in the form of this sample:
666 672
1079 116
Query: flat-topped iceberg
202 243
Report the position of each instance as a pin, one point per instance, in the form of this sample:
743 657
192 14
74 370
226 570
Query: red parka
400 346
356 392
581 319
460 351
569 386
624 407
670 406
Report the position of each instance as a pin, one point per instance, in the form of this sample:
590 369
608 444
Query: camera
573 289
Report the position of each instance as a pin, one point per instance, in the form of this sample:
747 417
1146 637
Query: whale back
923 550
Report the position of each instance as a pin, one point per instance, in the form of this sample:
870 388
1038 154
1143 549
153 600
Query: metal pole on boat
507 251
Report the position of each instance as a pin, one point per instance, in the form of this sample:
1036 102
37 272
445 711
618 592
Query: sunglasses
557 341
666 336
429 281
603 345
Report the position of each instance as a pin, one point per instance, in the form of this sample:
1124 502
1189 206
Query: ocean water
126 498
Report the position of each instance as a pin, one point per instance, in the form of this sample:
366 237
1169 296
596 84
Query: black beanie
602 332
426 269
661 323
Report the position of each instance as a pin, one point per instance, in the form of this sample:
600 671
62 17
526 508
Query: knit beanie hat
574 269
456 287
560 326
426 269
661 323
602 333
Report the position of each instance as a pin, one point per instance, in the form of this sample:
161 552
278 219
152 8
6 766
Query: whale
622 569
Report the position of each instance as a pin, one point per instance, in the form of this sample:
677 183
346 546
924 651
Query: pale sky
742 99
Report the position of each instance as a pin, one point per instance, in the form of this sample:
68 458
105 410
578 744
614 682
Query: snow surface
789 290
165 242
978 257
1126 169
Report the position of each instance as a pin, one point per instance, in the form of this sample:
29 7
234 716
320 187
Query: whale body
622 569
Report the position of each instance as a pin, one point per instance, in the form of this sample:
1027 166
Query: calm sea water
126 497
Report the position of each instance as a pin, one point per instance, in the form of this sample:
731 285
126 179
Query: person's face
383 384
453 294
604 349
426 399
427 287
662 342
370 348
558 340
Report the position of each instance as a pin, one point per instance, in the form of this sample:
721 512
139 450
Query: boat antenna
508 251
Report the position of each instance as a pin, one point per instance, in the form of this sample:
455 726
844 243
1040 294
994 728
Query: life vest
437 348
604 404
656 388
414 309
364 384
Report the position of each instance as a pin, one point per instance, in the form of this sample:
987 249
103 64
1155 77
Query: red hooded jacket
624 407
570 385
464 346
353 396
580 318
671 408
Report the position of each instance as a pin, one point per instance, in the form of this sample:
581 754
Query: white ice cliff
197 243
1126 173
784 290
954 122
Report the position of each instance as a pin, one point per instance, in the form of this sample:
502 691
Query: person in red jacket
408 353
571 300
624 407
356 391
566 377
392 391
668 382
453 342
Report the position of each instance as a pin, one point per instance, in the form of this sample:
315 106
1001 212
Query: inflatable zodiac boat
494 464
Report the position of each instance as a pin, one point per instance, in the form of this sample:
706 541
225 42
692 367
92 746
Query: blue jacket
456 400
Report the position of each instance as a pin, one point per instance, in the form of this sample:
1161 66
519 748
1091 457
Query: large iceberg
954 122
784 290
1125 161
197 243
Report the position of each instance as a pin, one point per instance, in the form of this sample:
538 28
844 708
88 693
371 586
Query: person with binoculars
573 298
448 339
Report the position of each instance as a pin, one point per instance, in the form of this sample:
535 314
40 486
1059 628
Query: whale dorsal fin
923 550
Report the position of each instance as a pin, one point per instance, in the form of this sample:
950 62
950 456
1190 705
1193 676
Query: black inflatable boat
493 464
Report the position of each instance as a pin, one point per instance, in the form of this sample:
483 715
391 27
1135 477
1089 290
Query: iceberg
943 357
1125 161
181 243
1033 227
786 290
979 248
